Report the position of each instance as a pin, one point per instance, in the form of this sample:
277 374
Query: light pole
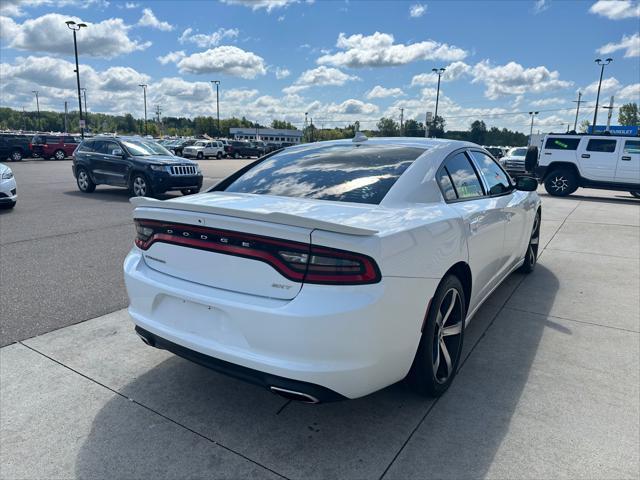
439 72
144 92
38 107
217 84
305 132
533 115
86 109
595 113
75 27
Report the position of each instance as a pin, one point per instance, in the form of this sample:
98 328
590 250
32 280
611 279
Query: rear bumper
349 340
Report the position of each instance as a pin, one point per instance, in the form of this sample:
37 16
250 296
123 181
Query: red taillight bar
296 261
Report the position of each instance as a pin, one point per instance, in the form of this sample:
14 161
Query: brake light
296 261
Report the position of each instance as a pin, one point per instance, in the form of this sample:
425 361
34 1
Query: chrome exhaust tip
293 395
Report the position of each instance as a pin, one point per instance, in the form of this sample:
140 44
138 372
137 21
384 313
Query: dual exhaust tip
289 394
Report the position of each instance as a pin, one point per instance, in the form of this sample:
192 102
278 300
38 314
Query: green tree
413 128
388 127
281 124
436 127
478 132
628 115
583 126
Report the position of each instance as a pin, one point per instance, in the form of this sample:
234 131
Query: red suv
54 146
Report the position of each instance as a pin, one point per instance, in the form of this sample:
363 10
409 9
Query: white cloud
120 79
629 43
240 94
381 92
14 8
282 73
417 10
545 102
630 92
379 50
352 107
49 33
208 40
609 87
149 19
540 6
225 59
268 5
616 9
320 76
514 79
131 5
452 72
172 57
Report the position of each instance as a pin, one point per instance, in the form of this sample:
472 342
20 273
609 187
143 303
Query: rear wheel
140 187
635 194
200 156
531 257
85 184
59 155
436 362
236 155
16 156
219 155
561 182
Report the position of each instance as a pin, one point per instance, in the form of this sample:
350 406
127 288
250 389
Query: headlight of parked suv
157 168
7 175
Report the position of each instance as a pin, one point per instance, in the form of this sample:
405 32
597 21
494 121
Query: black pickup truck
14 147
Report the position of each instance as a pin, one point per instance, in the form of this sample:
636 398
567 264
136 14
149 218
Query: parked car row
15 147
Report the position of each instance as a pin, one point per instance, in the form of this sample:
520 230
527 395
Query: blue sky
339 60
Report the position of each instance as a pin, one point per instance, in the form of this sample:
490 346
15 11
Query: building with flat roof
273 135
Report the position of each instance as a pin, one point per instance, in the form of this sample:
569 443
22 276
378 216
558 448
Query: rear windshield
362 174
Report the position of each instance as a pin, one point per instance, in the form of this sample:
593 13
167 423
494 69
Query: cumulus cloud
268 5
120 79
417 10
15 8
49 33
630 92
540 6
380 50
225 59
546 102
609 87
321 76
353 106
149 19
171 57
452 72
282 73
381 92
240 94
514 79
629 43
616 9
208 40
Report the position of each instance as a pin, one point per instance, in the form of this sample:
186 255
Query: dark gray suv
140 164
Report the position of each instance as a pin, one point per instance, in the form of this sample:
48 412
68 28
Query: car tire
531 257
436 362
219 155
199 155
561 182
189 191
635 194
140 186
59 155
16 156
83 179
236 155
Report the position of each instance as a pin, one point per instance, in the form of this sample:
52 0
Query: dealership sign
616 129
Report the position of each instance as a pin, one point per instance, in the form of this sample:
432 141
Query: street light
533 115
38 107
75 27
217 83
86 109
602 65
144 92
439 72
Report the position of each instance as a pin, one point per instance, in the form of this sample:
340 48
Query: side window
105 147
52 140
445 183
599 145
87 147
632 146
69 140
495 178
464 177
555 143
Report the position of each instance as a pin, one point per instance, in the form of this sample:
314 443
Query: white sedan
334 269
8 188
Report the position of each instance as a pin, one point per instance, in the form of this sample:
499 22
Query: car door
113 168
511 202
483 217
598 159
628 170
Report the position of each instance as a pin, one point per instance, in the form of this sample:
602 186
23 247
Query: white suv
204 149
608 162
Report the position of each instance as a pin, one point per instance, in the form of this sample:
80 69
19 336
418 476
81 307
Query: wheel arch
463 272
557 165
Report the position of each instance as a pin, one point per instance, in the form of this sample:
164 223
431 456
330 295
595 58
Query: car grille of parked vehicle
296 261
183 170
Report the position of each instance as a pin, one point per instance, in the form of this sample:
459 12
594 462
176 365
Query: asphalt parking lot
549 386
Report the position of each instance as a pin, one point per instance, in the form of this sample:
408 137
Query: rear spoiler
271 217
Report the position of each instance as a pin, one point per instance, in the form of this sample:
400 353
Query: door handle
547 153
585 155
626 159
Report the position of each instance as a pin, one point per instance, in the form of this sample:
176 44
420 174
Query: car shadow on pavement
115 194
618 198
392 433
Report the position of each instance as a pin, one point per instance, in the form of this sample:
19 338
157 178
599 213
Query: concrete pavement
549 388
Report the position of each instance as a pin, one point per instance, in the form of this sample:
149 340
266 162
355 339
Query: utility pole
427 122
158 112
86 109
311 127
401 120
602 65
533 115
577 102
75 27
217 83
305 127
24 120
439 72
38 107
610 108
66 120
144 92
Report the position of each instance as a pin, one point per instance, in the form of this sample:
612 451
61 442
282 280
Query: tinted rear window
554 143
344 173
606 146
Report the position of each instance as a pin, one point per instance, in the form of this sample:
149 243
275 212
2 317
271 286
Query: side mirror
526 184
531 159
117 152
